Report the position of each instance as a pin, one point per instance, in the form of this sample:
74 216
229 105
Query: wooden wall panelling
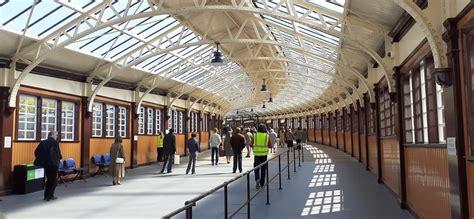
355 143
362 147
340 140
428 190
391 163
204 141
146 149
102 146
470 182
318 137
373 155
180 144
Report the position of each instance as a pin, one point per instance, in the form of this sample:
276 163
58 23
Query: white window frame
440 113
68 121
175 121
157 121
23 133
423 102
122 121
51 113
141 121
97 119
180 122
110 120
149 121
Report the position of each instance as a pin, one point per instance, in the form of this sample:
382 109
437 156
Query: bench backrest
70 163
97 159
106 158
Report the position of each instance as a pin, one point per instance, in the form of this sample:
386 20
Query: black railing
188 205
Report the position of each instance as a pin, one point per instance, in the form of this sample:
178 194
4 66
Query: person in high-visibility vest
261 143
159 147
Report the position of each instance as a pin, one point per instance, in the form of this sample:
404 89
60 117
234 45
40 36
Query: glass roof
124 40
312 51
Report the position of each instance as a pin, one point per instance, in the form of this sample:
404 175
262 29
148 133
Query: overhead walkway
329 184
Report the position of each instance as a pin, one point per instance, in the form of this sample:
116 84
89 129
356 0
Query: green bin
28 178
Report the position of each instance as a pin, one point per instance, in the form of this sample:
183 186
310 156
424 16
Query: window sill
470 159
433 145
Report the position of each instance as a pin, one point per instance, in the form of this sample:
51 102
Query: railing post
288 162
268 184
248 195
225 202
299 156
279 171
302 154
294 160
189 211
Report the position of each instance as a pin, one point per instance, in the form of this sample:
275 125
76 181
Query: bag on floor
176 159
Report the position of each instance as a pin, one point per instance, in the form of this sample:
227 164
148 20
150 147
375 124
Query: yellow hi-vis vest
159 142
260 144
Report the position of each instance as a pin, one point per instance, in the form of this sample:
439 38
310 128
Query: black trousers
168 164
298 144
238 160
159 152
51 174
215 154
260 172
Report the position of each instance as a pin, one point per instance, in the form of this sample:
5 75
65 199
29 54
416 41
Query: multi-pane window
122 121
206 123
149 121
387 113
56 115
27 118
170 119
370 119
339 122
175 121
157 120
347 120
180 122
48 117
67 121
355 121
362 121
332 122
423 107
110 121
97 119
141 121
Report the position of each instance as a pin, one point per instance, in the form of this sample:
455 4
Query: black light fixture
264 86
270 99
263 105
218 58
251 109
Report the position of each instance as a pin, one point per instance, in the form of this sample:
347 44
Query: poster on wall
7 142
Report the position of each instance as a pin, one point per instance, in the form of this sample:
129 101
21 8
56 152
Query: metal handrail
188 205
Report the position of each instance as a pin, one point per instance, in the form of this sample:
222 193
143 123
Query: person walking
227 146
248 141
193 149
281 135
289 137
117 161
48 155
238 144
215 141
159 147
169 148
273 140
261 144
298 137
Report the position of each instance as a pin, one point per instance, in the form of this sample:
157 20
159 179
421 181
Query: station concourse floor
329 184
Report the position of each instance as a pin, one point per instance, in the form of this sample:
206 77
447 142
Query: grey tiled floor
145 193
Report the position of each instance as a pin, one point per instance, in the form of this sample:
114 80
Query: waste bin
28 178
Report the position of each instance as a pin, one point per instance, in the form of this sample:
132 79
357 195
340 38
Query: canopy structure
309 54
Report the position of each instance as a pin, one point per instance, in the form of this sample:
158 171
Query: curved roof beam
62 37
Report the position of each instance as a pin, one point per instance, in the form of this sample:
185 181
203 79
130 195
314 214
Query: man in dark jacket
48 156
169 148
194 149
237 141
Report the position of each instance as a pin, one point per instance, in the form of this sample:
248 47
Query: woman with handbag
117 161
